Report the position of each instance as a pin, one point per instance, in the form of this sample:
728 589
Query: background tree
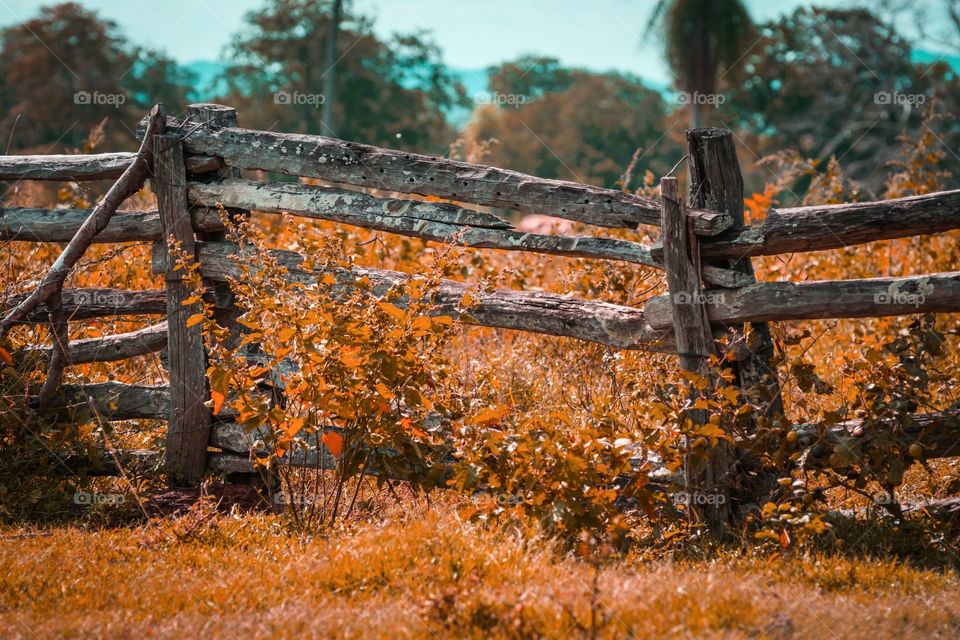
704 39
839 83
391 93
52 67
565 123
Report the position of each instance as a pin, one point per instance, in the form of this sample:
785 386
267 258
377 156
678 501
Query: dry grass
427 575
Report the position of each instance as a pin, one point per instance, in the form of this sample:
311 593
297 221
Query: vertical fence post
188 430
716 183
215 116
226 313
706 469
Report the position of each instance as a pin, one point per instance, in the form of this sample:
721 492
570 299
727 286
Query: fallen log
427 220
866 298
372 167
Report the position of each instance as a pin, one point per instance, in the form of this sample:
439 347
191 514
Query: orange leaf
195 319
490 415
294 427
334 442
218 399
393 310
6 357
351 357
784 539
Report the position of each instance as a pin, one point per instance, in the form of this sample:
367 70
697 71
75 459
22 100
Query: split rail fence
705 251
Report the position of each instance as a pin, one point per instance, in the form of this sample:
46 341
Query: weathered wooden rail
705 252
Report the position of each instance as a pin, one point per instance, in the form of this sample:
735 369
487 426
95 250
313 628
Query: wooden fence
705 252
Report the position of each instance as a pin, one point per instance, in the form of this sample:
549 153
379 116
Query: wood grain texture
188 428
839 225
107 348
100 166
118 401
822 299
538 312
363 165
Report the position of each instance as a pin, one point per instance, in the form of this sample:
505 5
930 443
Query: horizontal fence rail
533 311
426 220
822 227
866 298
372 167
99 166
60 225
110 348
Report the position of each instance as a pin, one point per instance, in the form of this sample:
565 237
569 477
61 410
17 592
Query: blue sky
596 34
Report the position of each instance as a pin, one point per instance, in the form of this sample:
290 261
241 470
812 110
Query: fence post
705 470
219 115
188 429
717 184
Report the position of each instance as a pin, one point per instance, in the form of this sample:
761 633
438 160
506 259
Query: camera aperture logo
98 99
898 294
299 98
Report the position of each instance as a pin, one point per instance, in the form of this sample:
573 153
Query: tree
390 93
838 83
572 124
67 69
704 39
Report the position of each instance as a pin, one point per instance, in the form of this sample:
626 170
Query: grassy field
426 575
